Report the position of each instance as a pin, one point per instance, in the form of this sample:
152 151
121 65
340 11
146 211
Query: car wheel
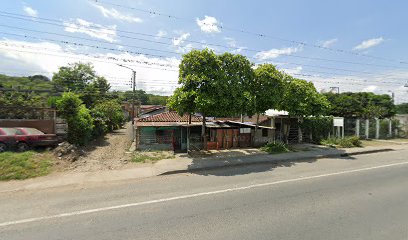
3 147
22 146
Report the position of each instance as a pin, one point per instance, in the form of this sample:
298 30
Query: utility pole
133 98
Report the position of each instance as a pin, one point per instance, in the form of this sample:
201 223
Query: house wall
150 139
259 140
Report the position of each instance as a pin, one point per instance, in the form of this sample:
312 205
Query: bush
112 114
100 127
78 117
347 142
80 127
317 127
275 147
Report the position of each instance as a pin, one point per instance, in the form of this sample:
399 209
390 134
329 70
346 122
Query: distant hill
37 82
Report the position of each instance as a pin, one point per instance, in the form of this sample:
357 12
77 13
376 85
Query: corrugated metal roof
170 117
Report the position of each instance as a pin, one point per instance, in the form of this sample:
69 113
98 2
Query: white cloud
291 71
369 43
161 33
231 42
29 56
181 39
30 11
113 13
329 43
107 33
208 24
275 53
370 88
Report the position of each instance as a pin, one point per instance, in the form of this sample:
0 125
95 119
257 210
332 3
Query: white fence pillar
377 128
390 127
358 127
367 126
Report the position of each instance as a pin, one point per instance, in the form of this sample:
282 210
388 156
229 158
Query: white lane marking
76 213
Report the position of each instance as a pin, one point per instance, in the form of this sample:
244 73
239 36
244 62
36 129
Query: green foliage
100 126
111 113
74 77
68 105
24 165
347 142
265 92
302 99
80 127
318 127
78 117
275 148
361 105
402 108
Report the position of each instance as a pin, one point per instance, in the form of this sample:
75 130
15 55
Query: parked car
31 137
7 138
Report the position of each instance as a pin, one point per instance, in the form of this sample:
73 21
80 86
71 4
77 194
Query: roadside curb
241 164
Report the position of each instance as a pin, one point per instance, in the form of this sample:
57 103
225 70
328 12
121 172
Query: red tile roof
170 117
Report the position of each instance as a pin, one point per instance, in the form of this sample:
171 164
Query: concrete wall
259 140
46 126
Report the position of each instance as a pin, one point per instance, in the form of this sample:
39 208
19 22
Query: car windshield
33 131
9 131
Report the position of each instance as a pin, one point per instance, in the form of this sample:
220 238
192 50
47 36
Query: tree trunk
287 131
256 130
203 134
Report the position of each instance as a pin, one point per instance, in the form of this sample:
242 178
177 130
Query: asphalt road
364 197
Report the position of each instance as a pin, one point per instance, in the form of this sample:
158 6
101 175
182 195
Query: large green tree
265 92
402 108
213 85
361 105
81 78
301 99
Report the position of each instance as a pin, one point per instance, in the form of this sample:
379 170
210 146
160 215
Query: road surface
364 197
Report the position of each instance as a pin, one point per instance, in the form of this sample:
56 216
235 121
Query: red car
7 138
31 137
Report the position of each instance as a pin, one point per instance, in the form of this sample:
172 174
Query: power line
256 34
166 65
65 56
25 18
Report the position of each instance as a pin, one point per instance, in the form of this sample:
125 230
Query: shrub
112 114
80 127
100 127
78 117
69 104
275 147
347 142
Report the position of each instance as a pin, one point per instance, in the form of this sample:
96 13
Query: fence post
377 128
390 127
358 127
367 125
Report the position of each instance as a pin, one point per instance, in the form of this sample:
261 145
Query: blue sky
320 41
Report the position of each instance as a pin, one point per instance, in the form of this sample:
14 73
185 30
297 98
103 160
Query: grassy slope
24 165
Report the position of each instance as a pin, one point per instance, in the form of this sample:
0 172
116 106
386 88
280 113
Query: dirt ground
107 153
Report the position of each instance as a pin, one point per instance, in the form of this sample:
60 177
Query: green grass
24 165
347 142
275 148
151 156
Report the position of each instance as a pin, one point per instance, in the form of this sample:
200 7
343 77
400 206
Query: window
264 132
19 132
